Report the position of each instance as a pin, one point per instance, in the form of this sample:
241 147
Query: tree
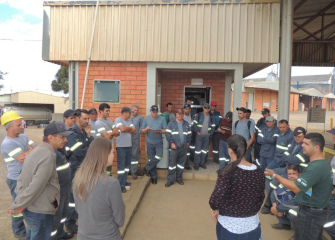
1 78
61 83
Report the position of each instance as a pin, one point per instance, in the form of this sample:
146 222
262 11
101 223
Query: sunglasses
206 107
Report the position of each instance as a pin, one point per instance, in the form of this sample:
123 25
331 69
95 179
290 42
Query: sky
21 50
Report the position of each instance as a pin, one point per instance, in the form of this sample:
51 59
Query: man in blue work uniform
215 138
261 123
178 134
203 126
137 121
154 126
267 139
78 143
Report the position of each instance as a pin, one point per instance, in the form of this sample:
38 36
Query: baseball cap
206 105
57 127
213 103
125 109
92 111
154 108
299 131
265 110
332 131
229 115
269 119
68 113
241 109
187 106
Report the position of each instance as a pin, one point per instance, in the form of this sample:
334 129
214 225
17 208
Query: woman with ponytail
238 195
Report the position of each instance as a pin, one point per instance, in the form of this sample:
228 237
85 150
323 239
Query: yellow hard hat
9 116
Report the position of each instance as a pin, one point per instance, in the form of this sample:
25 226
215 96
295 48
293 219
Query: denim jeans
155 154
224 234
309 223
123 164
39 225
17 221
331 230
264 161
224 155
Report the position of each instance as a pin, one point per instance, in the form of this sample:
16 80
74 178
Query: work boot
154 180
134 175
203 166
280 226
72 229
188 168
66 236
180 182
196 168
146 172
123 190
168 184
265 210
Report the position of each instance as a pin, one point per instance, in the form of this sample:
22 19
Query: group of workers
42 175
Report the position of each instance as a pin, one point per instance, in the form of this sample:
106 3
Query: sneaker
168 184
180 182
280 226
123 190
204 166
265 210
134 175
154 180
196 168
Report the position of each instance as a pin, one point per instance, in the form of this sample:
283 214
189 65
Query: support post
285 60
238 85
227 93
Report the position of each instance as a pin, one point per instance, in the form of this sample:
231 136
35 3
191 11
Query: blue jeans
224 155
17 221
123 164
224 234
309 223
264 161
39 225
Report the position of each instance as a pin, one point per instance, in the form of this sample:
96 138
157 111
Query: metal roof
267 85
311 92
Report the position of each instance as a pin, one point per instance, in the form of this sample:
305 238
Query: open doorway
198 95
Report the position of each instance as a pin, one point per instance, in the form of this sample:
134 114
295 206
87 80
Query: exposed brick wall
133 78
173 87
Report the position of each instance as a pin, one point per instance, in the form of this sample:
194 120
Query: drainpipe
89 55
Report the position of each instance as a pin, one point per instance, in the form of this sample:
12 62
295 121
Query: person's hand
274 210
268 172
122 128
333 192
173 146
215 214
279 214
15 211
147 129
88 130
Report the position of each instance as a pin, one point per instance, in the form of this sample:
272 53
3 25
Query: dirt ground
177 216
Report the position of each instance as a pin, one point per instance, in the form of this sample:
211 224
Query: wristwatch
273 176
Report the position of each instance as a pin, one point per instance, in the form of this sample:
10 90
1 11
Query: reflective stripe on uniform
18 215
273 186
126 169
9 159
268 177
31 142
98 134
62 167
192 147
168 130
72 204
131 125
118 125
158 157
175 133
213 125
287 153
134 162
199 125
92 131
303 164
75 146
293 212
110 131
185 133
276 135
281 147
101 129
257 162
67 148
333 170
215 152
329 224
53 233
259 134
289 145
204 151
188 154
301 158
280 185
180 166
121 172
15 151
209 129
172 168
62 220
196 152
